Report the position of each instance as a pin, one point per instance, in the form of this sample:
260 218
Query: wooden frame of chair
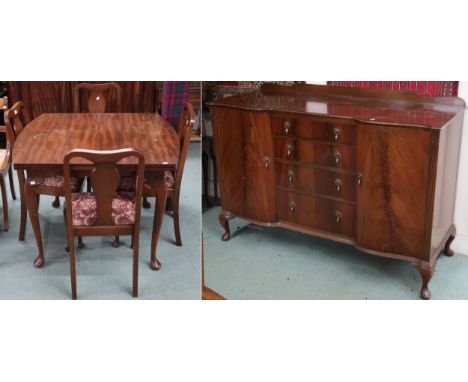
10 167
30 195
158 188
14 124
184 132
97 101
5 166
105 179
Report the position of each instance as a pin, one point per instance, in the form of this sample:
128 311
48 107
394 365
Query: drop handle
292 205
338 184
287 127
359 178
338 156
338 216
336 133
290 150
266 162
291 176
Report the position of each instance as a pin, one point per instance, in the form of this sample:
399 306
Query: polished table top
45 141
384 111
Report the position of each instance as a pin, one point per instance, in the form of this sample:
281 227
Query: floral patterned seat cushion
128 183
84 209
58 181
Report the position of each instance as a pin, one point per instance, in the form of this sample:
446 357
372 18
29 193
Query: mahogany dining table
40 148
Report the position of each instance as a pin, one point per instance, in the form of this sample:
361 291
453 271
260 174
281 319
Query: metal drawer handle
291 175
290 150
336 133
266 161
338 156
338 216
338 184
359 178
292 205
287 127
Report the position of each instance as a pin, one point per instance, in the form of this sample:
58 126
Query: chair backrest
14 122
105 179
184 132
98 96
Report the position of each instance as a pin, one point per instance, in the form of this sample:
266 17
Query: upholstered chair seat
58 181
128 183
84 209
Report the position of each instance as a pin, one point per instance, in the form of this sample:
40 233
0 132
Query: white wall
460 245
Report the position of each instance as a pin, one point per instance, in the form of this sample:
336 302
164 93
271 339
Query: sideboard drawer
319 213
337 156
318 181
313 128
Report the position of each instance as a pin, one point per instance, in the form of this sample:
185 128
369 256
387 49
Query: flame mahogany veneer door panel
392 197
245 163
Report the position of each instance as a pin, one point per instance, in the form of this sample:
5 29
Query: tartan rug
175 95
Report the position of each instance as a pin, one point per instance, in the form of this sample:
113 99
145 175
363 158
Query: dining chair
3 106
98 96
52 184
97 102
172 181
5 165
105 211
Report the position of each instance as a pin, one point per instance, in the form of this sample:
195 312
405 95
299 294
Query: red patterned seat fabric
128 183
84 209
58 181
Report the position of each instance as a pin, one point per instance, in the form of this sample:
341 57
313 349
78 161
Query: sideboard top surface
363 105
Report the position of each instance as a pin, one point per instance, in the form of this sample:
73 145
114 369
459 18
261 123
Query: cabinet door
244 152
391 197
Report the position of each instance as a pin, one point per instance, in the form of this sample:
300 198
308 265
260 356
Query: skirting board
460 244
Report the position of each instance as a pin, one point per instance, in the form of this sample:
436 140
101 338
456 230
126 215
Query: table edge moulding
331 162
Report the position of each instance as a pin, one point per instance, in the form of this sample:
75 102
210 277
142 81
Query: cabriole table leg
32 205
21 181
161 196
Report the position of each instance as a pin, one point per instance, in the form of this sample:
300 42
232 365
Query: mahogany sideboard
376 169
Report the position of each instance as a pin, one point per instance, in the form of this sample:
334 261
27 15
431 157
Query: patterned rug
424 88
175 95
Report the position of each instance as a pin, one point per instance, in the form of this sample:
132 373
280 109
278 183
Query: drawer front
312 128
325 214
318 181
337 156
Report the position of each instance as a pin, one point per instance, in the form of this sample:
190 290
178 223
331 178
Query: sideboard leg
426 273
448 251
224 218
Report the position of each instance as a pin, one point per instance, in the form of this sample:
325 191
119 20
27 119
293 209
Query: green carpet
274 263
104 272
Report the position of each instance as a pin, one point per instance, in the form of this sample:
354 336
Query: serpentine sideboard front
372 168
